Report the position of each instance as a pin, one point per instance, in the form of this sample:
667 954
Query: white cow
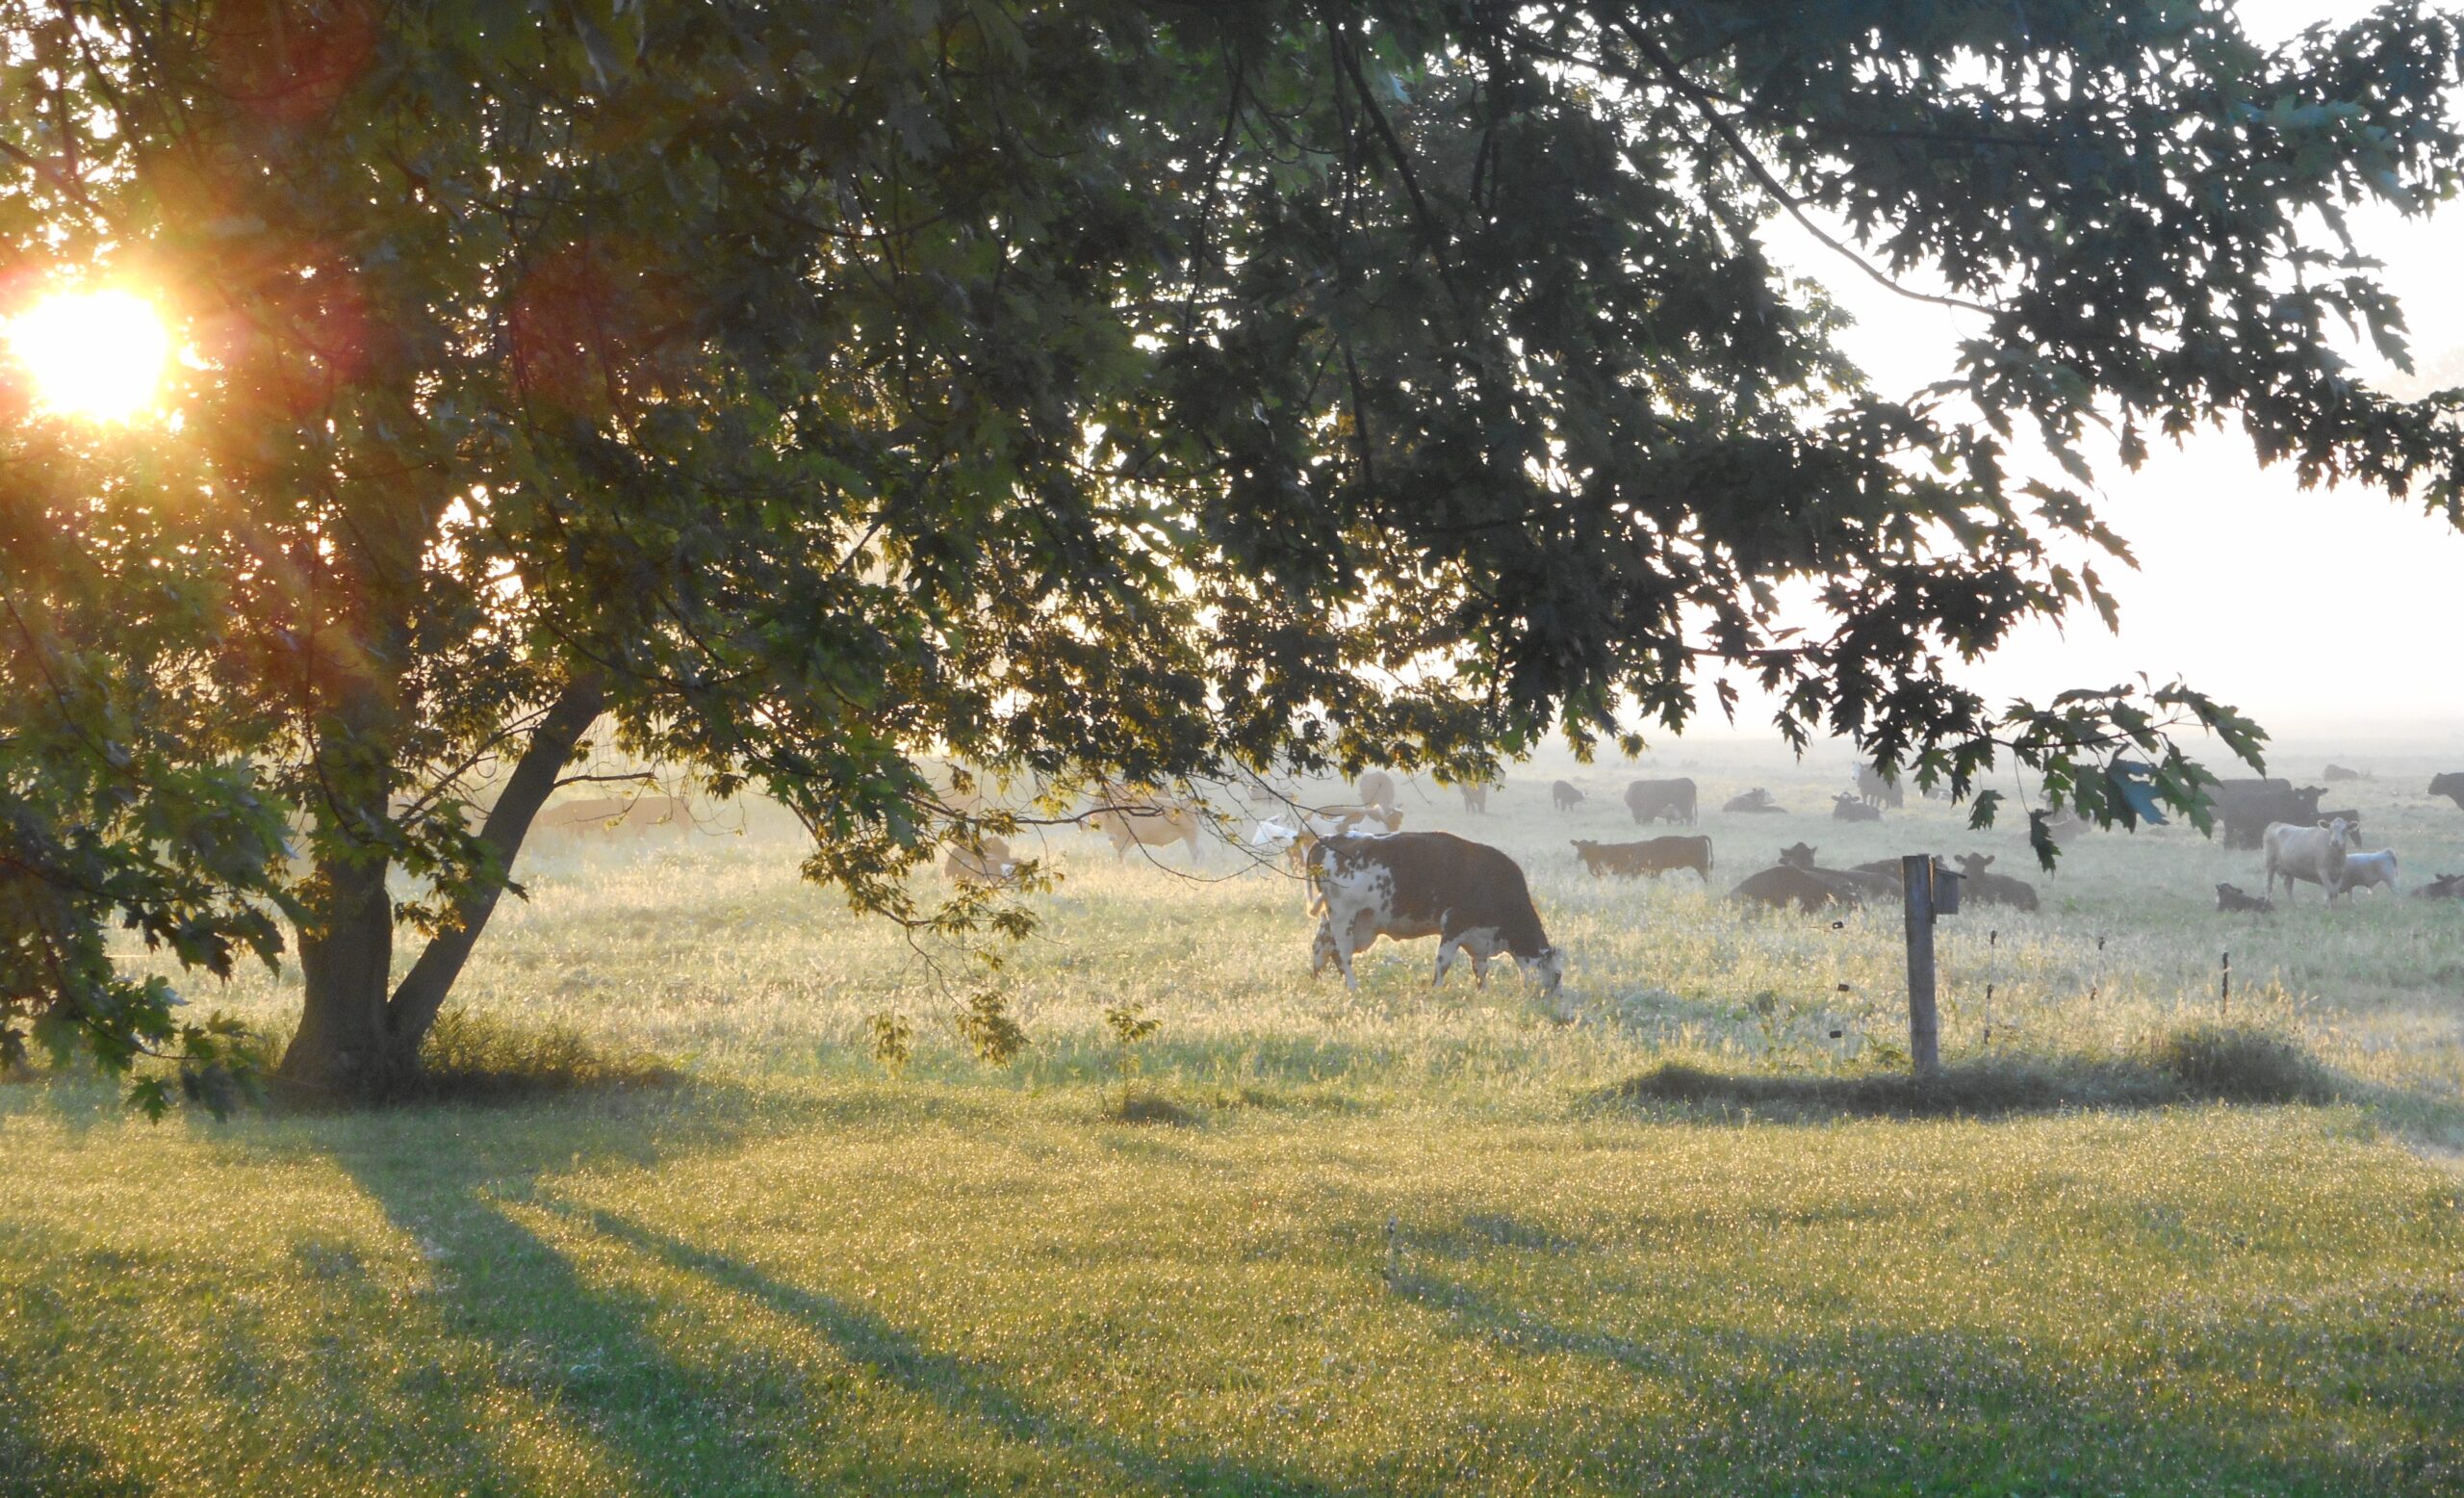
2371 872
2315 854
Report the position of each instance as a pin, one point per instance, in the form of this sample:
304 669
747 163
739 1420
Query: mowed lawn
921 1289
1390 1242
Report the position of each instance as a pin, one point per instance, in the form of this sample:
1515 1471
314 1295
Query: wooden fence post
1924 1027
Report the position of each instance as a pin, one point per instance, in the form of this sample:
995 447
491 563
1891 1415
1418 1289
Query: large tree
1094 388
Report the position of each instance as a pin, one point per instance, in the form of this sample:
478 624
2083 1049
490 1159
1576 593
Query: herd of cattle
1369 879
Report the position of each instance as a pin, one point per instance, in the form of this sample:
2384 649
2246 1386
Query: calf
2445 887
1564 796
1848 808
1754 801
2230 898
1472 898
1653 856
2315 854
2371 872
1662 800
1878 880
1993 889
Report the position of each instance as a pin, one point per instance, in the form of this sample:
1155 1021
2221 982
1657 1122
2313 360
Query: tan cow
984 860
616 814
1132 818
2316 854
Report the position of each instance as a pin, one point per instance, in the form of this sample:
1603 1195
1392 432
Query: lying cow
2312 854
1757 802
1653 856
1878 880
1785 885
984 861
1985 888
1564 796
2445 887
1470 896
2230 899
2371 872
1662 801
1848 808
616 814
2337 773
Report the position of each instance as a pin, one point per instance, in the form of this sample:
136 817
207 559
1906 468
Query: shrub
468 1055
2241 1064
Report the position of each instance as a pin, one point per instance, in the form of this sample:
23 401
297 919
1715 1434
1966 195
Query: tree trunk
346 962
359 1036
424 988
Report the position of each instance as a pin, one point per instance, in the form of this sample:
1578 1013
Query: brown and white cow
984 860
1653 856
1469 895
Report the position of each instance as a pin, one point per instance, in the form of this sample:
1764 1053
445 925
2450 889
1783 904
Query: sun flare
96 354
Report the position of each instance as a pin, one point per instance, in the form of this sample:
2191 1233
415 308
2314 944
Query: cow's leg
1345 944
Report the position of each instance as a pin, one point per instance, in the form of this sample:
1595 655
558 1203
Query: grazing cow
2230 898
1131 822
2450 785
2445 887
1662 801
2371 872
2248 807
2315 854
1754 801
1475 796
2337 772
1470 896
1848 808
1992 889
984 860
1330 821
1785 885
1875 789
1564 796
1653 856
1376 787
616 814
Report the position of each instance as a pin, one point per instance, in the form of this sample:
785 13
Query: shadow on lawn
733 1418
1883 1408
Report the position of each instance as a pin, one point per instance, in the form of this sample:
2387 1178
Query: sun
98 355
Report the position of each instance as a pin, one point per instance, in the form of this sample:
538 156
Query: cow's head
1548 969
1585 849
2340 834
1972 866
1801 856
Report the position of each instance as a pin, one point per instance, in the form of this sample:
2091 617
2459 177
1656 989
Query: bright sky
2313 611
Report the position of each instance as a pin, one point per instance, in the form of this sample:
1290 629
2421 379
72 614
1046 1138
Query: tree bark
424 988
346 961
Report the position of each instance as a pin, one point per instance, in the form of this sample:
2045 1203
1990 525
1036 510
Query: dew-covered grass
1682 1233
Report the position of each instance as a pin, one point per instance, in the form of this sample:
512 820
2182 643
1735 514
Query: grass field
1691 1241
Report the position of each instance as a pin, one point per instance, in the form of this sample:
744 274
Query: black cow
2248 807
1564 796
1661 800
1848 808
2450 785
1754 801
1875 789
2445 887
1653 856
1986 888
2231 899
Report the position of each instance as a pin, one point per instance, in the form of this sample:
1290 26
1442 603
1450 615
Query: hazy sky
2310 609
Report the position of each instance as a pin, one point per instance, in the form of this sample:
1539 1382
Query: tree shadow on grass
732 1418
1955 1411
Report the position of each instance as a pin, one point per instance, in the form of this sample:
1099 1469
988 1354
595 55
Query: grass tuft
472 1057
2194 1063
2237 1063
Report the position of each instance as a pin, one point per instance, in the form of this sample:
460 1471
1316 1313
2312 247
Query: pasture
1669 1239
